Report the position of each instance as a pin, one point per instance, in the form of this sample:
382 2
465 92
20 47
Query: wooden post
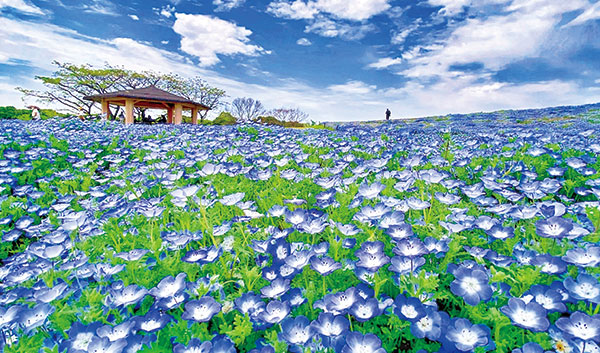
170 116
178 112
195 116
129 111
105 109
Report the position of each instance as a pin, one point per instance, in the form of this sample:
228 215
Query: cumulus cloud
165 11
206 37
494 41
296 10
22 6
326 27
303 42
357 10
384 63
353 87
134 17
227 5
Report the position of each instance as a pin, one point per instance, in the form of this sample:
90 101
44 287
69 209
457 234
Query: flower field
465 233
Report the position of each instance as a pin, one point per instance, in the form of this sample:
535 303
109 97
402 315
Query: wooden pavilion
148 97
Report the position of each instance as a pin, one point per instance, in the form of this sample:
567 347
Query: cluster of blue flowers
420 226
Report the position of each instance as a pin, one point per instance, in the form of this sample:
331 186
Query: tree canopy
70 83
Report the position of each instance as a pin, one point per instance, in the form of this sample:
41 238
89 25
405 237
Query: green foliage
224 118
10 112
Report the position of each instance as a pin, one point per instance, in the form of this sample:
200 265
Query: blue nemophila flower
173 301
400 231
104 345
294 296
201 310
586 288
10 314
530 347
296 217
340 301
79 337
370 191
329 325
432 325
153 321
550 264
391 219
356 342
276 289
410 247
531 316
553 227
471 284
408 308
551 299
405 265
324 265
169 286
280 250
466 336
195 345
249 303
121 331
296 331
583 257
348 243
47 295
222 344
132 255
499 232
34 317
131 294
365 309
347 229
275 311
299 259
581 326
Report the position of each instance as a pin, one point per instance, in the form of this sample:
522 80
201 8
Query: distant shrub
224 118
10 112
269 120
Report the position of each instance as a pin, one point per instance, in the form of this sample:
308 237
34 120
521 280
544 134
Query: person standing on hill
35 113
388 113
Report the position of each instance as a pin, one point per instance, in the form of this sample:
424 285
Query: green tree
194 89
71 83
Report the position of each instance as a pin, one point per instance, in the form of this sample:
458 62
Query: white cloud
591 13
353 87
227 5
451 8
326 27
304 42
205 37
384 63
100 7
164 42
165 11
494 41
293 10
22 6
399 37
356 10
134 17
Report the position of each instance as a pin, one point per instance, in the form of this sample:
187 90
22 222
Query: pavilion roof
150 93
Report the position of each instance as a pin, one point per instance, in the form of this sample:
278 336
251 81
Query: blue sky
335 59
